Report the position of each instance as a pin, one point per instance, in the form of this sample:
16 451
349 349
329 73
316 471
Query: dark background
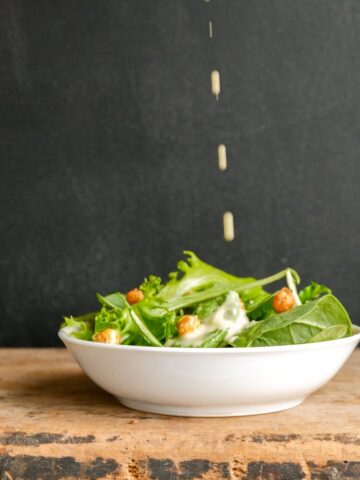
108 135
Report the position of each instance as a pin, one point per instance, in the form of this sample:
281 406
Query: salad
204 307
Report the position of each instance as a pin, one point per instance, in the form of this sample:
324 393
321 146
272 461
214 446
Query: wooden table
55 424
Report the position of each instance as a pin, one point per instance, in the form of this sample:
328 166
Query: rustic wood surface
55 423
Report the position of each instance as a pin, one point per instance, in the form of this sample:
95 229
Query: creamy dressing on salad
230 316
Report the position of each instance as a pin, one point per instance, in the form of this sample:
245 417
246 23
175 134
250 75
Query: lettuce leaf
151 286
193 275
81 327
198 288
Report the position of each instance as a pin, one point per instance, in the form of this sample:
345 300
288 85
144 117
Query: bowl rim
354 338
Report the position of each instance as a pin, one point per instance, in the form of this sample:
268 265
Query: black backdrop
108 135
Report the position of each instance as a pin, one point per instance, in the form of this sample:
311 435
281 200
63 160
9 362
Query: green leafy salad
204 307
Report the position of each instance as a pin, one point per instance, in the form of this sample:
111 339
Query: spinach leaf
262 309
329 333
214 339
299 325
312 291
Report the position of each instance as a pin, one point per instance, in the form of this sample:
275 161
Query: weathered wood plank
55 423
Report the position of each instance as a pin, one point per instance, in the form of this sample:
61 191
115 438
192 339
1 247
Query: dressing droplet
222 157
215 83
228 219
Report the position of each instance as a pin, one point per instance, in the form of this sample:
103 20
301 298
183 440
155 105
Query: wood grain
55 423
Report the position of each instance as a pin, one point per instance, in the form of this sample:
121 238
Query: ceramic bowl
211 382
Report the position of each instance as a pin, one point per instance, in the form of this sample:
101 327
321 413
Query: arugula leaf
312 291
299 325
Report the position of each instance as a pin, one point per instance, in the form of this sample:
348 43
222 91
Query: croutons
134 296
284 300
188 324
109 335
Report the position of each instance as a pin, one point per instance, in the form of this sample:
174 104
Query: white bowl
211 382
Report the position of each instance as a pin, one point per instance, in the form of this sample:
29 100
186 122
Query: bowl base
209 411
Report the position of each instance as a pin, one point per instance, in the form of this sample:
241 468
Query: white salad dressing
230 316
